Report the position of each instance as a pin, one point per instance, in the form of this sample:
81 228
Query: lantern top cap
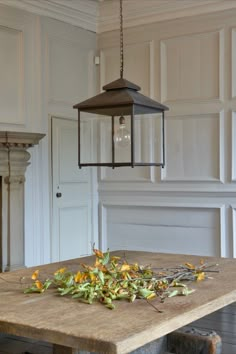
121 84
120 98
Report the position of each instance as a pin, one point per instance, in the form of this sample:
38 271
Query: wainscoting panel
137 70
71 52
74 232
16 69
69 62
186 63
194 147
171 228
233 80
233 146
12 75
234 228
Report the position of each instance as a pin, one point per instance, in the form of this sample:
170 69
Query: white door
72 207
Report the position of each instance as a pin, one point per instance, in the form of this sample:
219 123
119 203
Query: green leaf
145 292
66 291
173 293
186 291
110 306
32 290
77 296
47 283
101 276
106 258
132 298
124 295
134 286
69 280
178 284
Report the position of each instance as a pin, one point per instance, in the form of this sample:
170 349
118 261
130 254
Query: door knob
58 195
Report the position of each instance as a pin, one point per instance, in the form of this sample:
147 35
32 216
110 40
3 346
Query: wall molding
198 100
103 206
220 176
81 13
102 16
191 189
137 13
233 210
233 58
233 147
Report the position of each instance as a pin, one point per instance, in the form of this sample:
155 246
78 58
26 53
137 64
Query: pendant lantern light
127 124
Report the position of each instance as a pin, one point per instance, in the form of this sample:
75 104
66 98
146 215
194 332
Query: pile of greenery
113 278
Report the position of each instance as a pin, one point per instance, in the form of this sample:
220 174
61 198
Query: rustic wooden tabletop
67 322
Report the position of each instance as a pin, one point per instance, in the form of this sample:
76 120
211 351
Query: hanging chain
8 162
121 42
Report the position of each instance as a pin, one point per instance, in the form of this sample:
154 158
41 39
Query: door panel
72 216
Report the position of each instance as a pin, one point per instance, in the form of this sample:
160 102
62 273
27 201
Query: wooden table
70 324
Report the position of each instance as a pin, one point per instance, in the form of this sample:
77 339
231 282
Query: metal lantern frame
121 98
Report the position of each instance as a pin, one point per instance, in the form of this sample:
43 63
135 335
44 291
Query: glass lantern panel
148 138
105 140
122 139
95 139
86 138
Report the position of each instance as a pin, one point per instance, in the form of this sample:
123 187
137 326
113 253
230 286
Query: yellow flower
92 277
135 267
115 258
78 277
34 276
190 265
98 253
61 271
151 296
201 276
38 284
125 268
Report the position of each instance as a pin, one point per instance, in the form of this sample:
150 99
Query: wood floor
222 321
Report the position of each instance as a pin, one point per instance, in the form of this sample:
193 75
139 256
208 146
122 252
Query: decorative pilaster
14 159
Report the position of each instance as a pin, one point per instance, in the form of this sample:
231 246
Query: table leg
158 346
60 349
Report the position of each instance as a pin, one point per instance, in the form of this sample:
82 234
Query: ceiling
137 12
103 15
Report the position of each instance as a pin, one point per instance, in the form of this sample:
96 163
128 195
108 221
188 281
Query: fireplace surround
14 159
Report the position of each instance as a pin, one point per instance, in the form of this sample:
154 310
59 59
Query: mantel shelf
20 138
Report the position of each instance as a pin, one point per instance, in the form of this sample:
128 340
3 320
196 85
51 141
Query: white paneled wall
169 228
189 59
12 94
195 142
189 64
189 206
46 66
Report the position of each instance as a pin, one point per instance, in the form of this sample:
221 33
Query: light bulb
122 136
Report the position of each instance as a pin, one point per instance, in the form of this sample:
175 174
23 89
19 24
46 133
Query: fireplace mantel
20 138
14 159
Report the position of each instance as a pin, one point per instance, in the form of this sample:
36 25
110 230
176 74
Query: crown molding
137 12
80 13
103 15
